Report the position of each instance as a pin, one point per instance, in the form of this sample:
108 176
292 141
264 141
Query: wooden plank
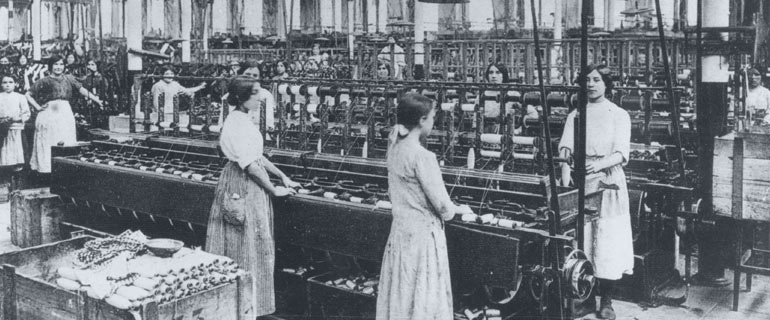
9 292
219 303
737 181
35 217
36 299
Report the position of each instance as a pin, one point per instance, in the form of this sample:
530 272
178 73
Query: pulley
578 275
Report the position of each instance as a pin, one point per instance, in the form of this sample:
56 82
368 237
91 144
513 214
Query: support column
337 15
186 8
556 49
36 30
351 30
711 111
420 9
133 31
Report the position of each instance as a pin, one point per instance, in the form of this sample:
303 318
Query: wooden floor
702 302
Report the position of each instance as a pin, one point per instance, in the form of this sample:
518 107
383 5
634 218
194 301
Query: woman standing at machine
757 97
55 121
608 241
497 73
241 222
414 279
14 111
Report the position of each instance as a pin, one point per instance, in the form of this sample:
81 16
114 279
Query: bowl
164 248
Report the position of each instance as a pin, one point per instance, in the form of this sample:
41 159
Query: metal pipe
670 90
580 127
546 123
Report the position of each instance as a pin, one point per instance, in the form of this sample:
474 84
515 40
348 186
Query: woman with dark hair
281 70
383 70
608 241
94 81
757 97
414 278
55 121
170 88
241 222
22 71
496 73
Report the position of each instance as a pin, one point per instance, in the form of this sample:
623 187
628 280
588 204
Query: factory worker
498 73
241 222
758 97
266 98
169 88
414 278
608 237
55 122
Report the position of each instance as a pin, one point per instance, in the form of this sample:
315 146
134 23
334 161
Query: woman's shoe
606 311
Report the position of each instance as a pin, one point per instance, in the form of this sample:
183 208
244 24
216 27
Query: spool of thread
159 170
469 217
196 127
490 154
197 177
283 88
295 89
144 168
215 128
468 107
312 108
451 93
492 138
296 107
312 91
111 163
383 204
303 191
632 103
187 175
165 124
330 195
491 93
487 218
529 141
512 96
524 156
356 199
532 99
447 106
509 223
557 99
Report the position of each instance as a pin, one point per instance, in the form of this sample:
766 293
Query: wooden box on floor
35 217
742 176
27 295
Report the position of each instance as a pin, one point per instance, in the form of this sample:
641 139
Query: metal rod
669 86
546 123
580 126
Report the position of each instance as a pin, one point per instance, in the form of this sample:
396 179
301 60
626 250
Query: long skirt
251 245
12 150
414 278
54 125
608 239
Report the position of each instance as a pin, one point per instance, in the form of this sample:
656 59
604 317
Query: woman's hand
463 209
566 175
283 192
290 183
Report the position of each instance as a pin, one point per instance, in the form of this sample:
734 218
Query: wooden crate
741 180
25 295
35 217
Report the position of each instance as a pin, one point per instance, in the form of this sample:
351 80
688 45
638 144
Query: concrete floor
702 302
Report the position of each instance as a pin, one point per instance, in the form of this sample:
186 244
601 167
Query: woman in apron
608 239
55 123
241 222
